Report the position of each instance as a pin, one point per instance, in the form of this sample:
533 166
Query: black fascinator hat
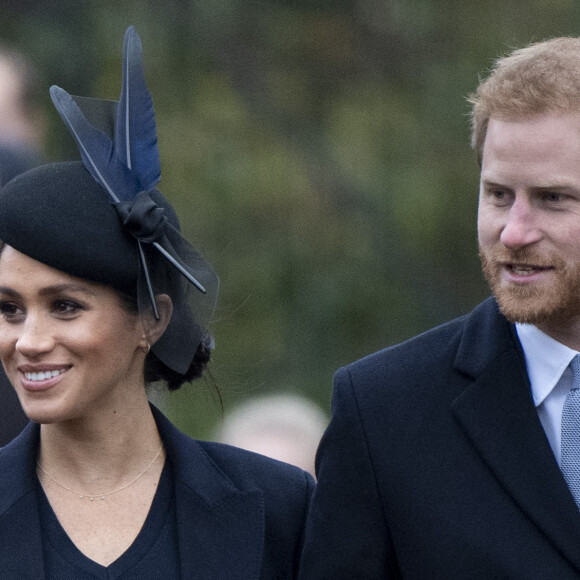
103 219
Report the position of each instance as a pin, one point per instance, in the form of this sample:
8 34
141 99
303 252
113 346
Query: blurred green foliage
318 154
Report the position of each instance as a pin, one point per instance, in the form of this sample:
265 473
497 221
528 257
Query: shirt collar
546 360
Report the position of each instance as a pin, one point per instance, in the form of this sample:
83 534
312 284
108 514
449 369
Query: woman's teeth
42 376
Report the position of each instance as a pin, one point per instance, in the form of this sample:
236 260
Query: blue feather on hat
129 163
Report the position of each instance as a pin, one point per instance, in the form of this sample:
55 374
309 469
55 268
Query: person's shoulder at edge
253 469
246 469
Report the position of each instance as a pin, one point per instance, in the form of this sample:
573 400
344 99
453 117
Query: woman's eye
66 307
9 311
551 196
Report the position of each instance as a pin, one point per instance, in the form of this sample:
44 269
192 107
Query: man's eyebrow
547 185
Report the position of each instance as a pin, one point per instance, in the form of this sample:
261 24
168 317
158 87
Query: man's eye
498 195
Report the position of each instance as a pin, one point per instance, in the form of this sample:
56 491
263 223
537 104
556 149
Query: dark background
318 155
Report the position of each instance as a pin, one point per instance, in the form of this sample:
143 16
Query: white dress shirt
550 377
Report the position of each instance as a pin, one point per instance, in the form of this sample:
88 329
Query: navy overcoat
435 466
240 515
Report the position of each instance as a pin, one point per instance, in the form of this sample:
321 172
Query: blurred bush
318 154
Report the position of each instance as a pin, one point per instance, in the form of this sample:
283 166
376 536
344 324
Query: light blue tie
570 453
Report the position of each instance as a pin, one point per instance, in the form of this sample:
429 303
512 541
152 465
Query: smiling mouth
44 375
526 270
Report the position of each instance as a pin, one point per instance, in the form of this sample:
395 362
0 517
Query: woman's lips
41 379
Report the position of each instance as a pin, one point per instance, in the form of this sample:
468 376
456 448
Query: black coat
12 417
436 466
239 515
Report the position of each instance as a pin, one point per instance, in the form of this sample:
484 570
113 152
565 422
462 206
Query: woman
100 294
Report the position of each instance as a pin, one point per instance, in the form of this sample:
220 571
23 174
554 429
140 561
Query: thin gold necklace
100 495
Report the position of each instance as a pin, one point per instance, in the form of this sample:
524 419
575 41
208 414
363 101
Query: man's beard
533 303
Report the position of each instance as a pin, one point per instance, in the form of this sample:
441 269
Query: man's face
529 218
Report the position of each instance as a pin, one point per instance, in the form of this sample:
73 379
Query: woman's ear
154 328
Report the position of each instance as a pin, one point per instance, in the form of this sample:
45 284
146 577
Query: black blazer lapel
498 415
221 529
222 540
20 541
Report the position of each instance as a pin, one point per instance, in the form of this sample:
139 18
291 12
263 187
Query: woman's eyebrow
8 291
67 287
56 289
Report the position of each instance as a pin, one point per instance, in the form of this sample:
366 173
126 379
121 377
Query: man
453 455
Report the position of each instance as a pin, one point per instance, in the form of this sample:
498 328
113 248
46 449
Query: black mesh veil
192 308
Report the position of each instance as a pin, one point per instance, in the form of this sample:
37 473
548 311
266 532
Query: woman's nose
34 338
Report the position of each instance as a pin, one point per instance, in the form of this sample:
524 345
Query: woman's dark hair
156 370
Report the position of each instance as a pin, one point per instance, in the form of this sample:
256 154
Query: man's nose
521 228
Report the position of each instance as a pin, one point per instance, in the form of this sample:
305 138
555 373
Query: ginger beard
535 304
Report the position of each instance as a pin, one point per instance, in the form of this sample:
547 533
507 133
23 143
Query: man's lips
521 273
526 269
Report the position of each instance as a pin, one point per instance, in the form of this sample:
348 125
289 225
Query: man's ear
154 328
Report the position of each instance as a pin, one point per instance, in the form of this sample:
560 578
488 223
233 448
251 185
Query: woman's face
68 346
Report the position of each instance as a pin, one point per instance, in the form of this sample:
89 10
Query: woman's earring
147 348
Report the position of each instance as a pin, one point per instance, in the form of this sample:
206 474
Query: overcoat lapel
221 529
20 540
498 415
223 540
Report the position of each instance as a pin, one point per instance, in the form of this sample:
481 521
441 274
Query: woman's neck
102 449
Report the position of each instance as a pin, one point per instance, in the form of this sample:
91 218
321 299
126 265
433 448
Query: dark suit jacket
436 466
240 515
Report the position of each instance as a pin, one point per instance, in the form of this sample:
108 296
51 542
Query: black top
153 554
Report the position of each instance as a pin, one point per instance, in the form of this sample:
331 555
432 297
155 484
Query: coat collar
498 415
20 541
220 527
